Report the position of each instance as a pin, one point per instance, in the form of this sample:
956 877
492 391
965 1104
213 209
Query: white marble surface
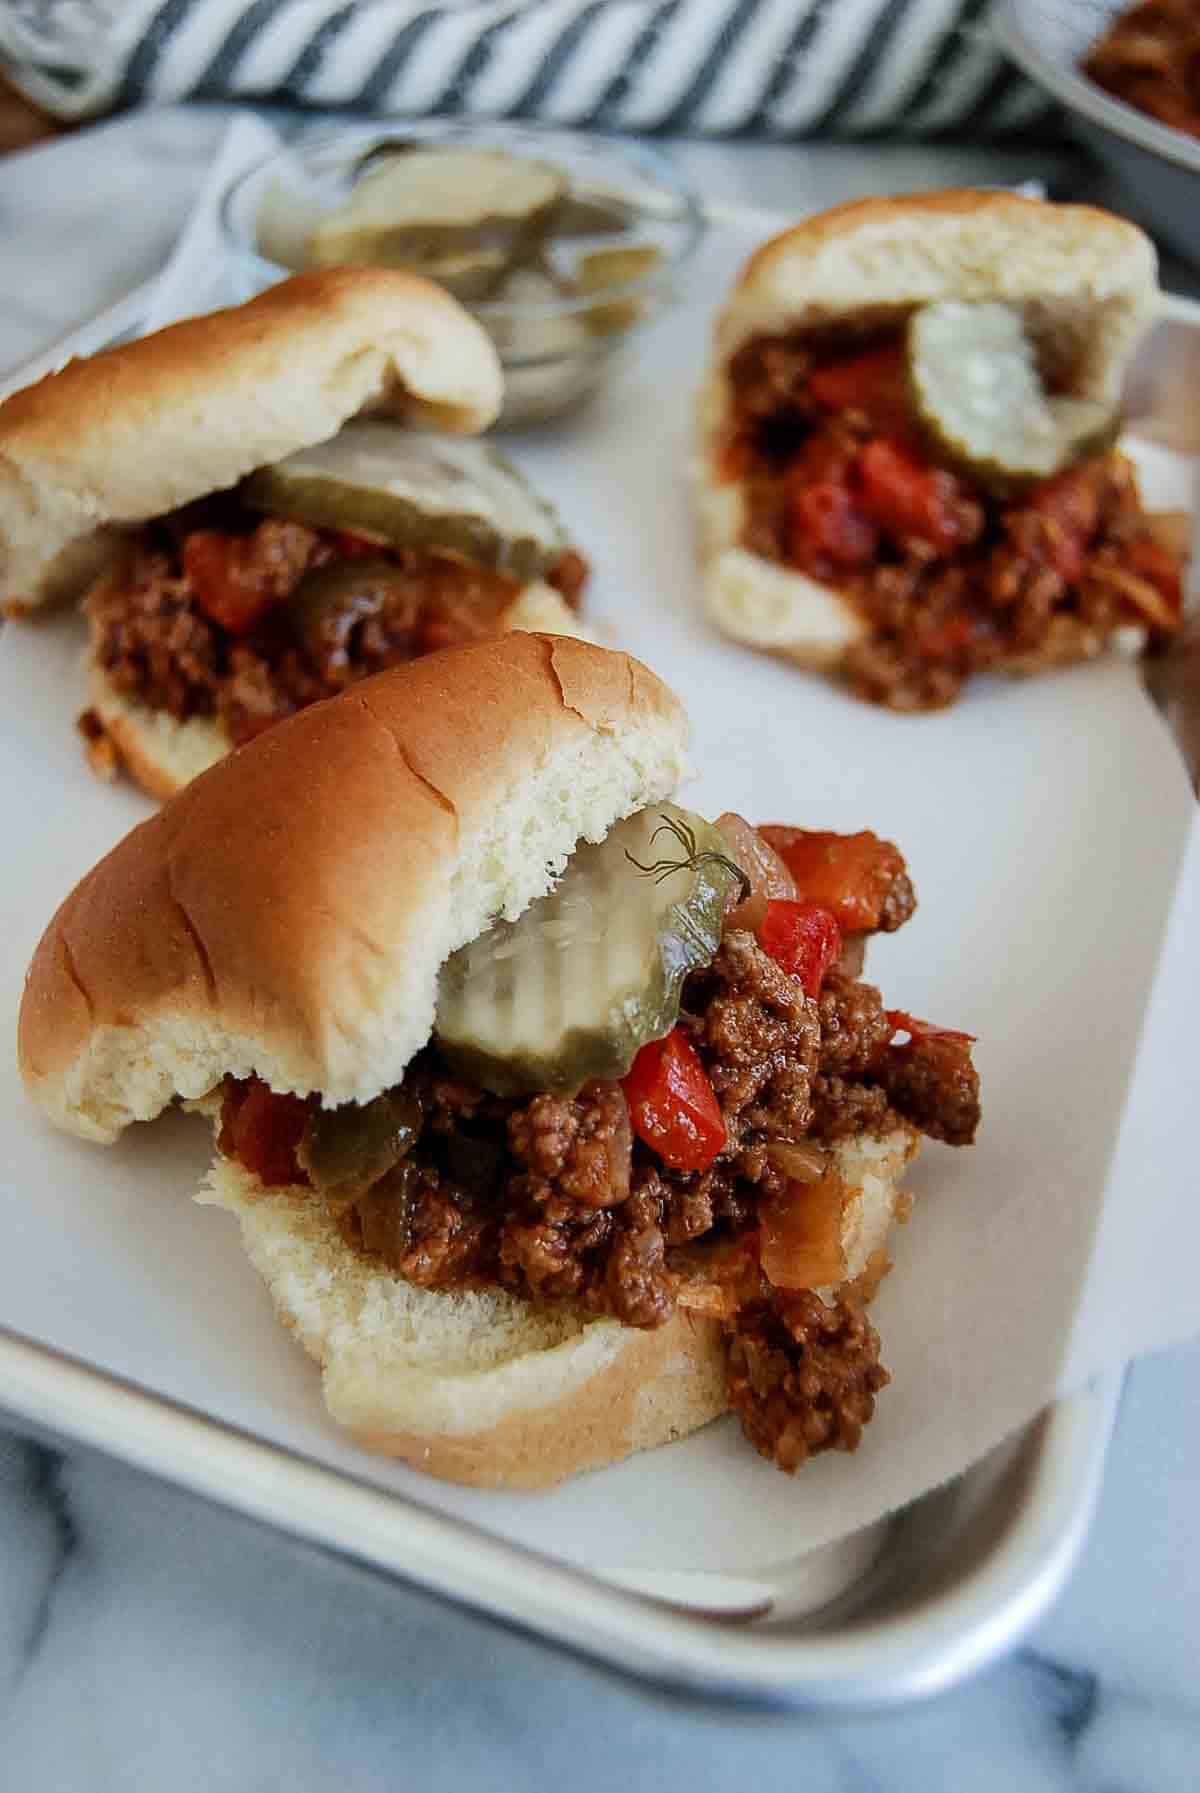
147 1641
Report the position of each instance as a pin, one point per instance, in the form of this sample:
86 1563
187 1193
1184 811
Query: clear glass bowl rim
317 142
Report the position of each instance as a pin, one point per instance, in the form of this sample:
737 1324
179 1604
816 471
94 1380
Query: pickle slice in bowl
605 268
414 489
472 211
977 390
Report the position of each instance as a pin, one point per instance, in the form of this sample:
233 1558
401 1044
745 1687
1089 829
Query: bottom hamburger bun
783 612
162 755
478 1386
750 599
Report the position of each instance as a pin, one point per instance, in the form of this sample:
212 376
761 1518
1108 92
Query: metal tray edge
873 1662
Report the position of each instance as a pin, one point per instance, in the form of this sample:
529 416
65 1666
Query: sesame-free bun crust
1085 280
162 755
138 430
287 913
478 1386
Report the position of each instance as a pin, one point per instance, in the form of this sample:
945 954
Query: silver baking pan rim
944 1598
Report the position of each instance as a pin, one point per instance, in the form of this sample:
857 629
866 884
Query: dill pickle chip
605 268
467 274
347 1149
591 215
416 490
977 390
467 212
587 975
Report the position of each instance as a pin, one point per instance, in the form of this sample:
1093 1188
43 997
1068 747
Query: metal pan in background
1158 167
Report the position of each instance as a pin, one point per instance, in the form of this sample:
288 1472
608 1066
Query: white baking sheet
1044 824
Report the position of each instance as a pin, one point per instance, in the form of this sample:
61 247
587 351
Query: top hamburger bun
287 914
1086 283
139 430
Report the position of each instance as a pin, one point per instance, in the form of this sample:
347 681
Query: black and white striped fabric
770 68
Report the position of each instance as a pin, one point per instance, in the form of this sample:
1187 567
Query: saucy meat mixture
1150 58
841 484
225 613
703 1180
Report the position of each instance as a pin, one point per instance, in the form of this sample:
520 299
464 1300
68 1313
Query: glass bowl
556 344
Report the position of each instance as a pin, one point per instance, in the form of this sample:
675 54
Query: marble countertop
149 1641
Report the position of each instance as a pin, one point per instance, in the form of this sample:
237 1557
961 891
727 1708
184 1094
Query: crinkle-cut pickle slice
468 212
605 268
976 389
416 490
591 972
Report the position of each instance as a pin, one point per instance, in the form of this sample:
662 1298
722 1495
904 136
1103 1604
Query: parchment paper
1046 826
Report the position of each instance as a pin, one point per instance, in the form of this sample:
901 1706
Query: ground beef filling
839 483
203 619
1150 57
554 1197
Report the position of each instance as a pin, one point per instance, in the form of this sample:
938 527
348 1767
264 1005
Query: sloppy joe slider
557 1118
906 469
267 503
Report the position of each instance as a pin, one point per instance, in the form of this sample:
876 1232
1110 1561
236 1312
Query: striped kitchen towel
770 68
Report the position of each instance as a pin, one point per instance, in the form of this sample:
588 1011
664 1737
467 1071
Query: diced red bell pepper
874 382
849 874
261 1129
826 529
803 938
825 457
225 587
672 1104
907 498
919 1031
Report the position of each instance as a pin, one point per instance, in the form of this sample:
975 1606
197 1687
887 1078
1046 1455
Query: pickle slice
587 975
976 388
416 490
467 210
605 268
595 214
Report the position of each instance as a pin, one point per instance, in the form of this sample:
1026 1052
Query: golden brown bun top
1087 279
135 431
288 912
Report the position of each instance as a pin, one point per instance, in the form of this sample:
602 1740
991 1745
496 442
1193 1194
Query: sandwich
262 505
907 469
557 1119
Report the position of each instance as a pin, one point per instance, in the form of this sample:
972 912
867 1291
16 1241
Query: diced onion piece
799 1159
769 877
800 1241
709 1299
715 1280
